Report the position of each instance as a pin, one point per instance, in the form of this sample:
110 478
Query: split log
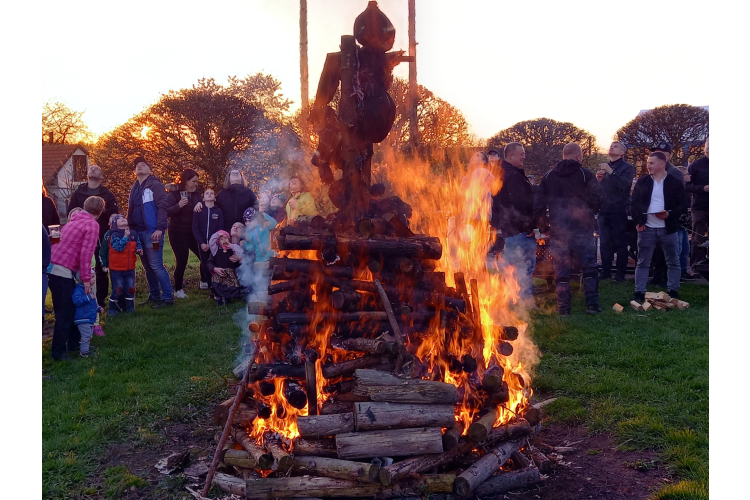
340 469
464 292
315 447
478 473
294 394
360 345
682 305
262 459
348 367
389 443
506 481
618 308
353 317
479 430
311 387
230 484
492 378
325 425
543 463
304 266
394 325
282 461
373 416
475 307
646 306
657 296
451 436
382 386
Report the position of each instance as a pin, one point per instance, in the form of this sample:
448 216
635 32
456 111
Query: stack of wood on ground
387 427
660 301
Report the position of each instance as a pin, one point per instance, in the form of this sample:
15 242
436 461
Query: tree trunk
282 461
340 469
325 425
262 459
382 386
370 416
350 366
391 443
315 447
505 481
361 345
484 468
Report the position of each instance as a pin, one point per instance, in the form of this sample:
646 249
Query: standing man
147 215
658 201
616 177
94 187
573 197
512 216
698 185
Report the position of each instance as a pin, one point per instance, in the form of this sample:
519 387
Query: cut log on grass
543 463
360 345
479 430
382 386
371 415
325 447
475 475
340 469
635 305
263 460
230 484
506 481
647 306
657 296
348 367
238 458
618 308
390 443
325 425
282 462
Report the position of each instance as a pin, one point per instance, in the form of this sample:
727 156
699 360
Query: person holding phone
182 198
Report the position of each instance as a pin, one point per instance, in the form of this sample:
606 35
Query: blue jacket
258 239
207 222
86 306
147 205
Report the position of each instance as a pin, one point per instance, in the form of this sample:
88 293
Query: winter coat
181 218
616 187
147 205
77 243
513 205
573 196
258 239
233 202
110 204
118 254
674 201
207 222
221 259
50 217
698 171
675 172
86 306
305 206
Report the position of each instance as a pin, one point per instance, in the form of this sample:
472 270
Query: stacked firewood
661 301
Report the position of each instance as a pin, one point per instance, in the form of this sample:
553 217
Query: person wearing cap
658 201
147 216
616 178
94 187
698 186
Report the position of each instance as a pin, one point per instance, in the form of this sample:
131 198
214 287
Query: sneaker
639 297
98 331
163 304
594 309
180 294
203 285
686 276
674 294
149 300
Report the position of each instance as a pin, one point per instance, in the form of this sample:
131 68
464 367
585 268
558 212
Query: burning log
508 333
389 443
492 378
345 300
509 432
468 363
451 436
423 247
238 458
353 317
348 367
264 410
288 286
340 387
484 468
476 308
262 459
505 348
505 481
266 388
369 227
373 416
399 228
533 416
284 266
381 386
464 292
394 325
315 447
325 425
479 430
311 387
361 345
282 461
340 469
294 394
259 372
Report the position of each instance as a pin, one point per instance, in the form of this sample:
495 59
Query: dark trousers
102 280
613 240
66 334
700 234
205 275
182 244
574 251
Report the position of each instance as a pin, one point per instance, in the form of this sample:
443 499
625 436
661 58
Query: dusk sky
593 63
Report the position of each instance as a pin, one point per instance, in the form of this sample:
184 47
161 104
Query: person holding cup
182 198
147 215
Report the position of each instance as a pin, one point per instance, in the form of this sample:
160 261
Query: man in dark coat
616 178
698 186
657 203
94 187
573 196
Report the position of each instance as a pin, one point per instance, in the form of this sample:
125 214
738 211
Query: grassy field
643 378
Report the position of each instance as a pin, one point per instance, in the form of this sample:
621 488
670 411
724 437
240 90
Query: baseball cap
662 146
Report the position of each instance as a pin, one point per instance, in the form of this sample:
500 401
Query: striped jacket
77 243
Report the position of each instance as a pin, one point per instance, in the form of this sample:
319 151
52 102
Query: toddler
85 316
118 256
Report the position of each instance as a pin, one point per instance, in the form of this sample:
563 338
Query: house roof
54 157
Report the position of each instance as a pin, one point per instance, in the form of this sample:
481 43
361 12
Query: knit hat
113 229
249 214
213 243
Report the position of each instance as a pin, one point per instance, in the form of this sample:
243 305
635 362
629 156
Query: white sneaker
203 285
180 294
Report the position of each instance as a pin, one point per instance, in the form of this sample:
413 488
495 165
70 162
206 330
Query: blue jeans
573 252
123 284
647 240
520 252
153 262
683 248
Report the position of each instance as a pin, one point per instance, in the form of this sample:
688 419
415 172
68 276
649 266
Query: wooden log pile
661 301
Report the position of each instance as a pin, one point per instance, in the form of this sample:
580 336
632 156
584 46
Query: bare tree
62 125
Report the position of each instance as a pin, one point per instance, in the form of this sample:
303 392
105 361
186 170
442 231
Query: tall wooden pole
413 96
303 74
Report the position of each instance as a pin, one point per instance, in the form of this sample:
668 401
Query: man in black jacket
698 186
94 187
512 216
658 201
573 196
616 179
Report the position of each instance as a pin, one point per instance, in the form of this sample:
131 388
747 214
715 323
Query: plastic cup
54 233
155 245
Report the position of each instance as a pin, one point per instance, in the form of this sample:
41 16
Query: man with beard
94 187
573 197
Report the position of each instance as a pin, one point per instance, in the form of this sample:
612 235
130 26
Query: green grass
141 380
642 377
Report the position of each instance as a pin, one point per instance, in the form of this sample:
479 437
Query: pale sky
593 63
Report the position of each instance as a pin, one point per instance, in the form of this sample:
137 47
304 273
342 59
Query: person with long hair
50 217
182 198
235 198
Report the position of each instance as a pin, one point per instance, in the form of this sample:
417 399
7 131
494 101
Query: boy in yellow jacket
300 201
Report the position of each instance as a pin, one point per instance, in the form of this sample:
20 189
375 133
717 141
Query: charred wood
475 475
315 447
505 481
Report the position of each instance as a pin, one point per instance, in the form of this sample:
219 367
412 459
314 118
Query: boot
130 304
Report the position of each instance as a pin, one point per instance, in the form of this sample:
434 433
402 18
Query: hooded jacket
233 202
181 218
698 171
82 192
147 205
616 187
573 196
207 222
86 306
513 205
77 243
674 201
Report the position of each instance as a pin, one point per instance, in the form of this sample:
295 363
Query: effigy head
373 29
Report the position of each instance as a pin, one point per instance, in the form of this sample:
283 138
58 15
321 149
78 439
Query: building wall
64 185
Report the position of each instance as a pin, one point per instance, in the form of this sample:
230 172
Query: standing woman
50 216
235 198
182 198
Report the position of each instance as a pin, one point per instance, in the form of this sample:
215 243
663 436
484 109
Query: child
258 226
85 316
300 201
222 264
277 208
117 255
205 223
